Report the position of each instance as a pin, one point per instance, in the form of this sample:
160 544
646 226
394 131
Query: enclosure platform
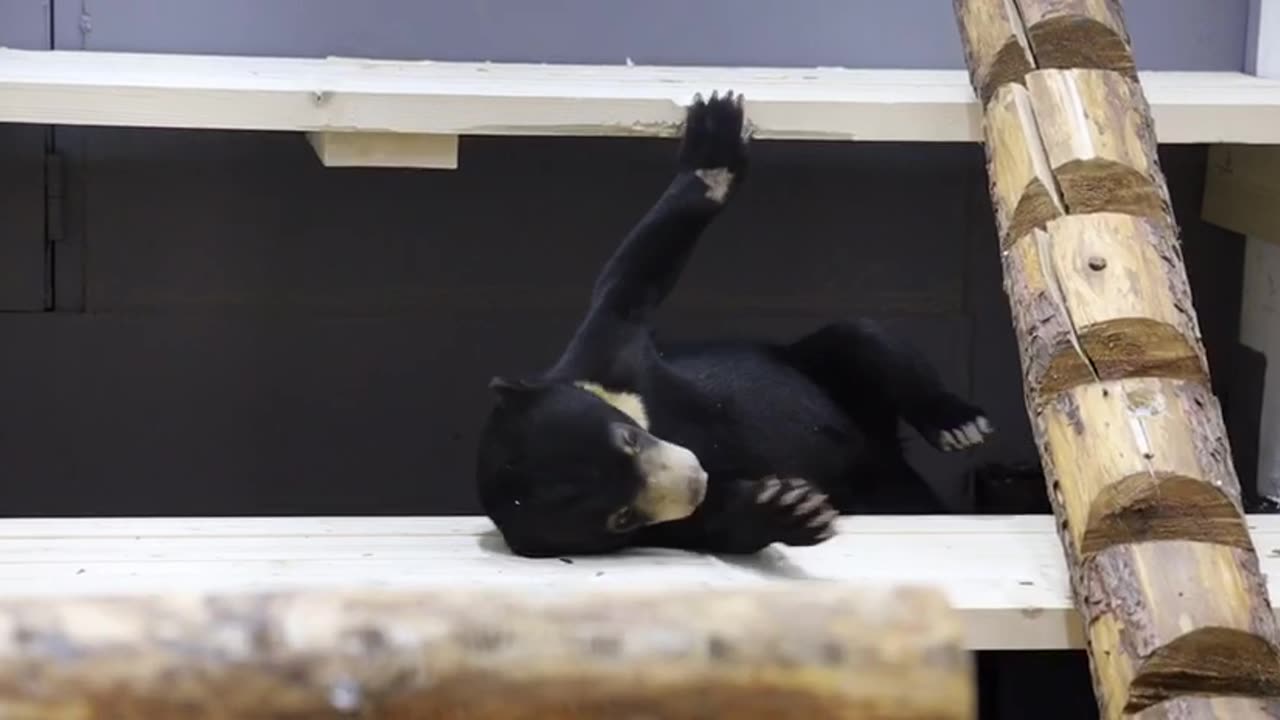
1004 574
340 96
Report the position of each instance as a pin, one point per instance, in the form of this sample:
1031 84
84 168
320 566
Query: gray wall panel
22 206
256 321
23 24
265 335
1169 34
254 219
244 414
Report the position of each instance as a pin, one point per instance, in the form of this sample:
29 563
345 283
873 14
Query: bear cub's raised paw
714 146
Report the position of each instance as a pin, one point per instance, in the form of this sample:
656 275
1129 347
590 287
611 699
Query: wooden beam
820 651
1004 576
69 87
375 149
1242 190
1164 572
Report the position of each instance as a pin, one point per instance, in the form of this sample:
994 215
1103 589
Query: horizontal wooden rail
1005 576
818 652
382 97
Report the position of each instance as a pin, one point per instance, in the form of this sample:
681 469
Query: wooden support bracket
1242 190
384 149
1116 381
814 651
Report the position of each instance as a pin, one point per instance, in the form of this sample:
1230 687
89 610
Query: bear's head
561 470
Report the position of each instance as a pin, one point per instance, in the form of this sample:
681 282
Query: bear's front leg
757 513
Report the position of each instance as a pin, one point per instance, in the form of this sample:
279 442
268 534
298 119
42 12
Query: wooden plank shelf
1003 574
384 98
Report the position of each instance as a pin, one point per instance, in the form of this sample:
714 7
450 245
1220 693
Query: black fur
788 434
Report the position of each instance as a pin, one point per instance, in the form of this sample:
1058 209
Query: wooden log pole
812 650
1116 382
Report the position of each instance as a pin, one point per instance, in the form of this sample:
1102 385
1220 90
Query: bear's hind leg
878 378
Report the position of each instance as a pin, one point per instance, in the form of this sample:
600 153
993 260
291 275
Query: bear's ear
509 390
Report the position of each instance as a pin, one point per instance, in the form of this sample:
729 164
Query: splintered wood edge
1126 294
835 652
1117 349
1081 295
1132 461
1022 181
995 45
1116 170
1005 40
1122 592
1078 34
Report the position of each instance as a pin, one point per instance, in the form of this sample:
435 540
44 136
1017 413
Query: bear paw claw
967 435
950 424
807 518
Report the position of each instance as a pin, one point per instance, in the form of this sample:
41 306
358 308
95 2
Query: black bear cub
716 447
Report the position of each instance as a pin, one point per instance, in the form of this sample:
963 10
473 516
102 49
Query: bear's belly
762 417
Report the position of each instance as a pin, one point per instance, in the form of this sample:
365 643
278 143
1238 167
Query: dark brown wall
263 335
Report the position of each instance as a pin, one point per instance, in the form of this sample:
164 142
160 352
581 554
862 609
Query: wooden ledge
1005 576
344 95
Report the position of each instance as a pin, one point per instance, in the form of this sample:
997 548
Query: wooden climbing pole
1116 383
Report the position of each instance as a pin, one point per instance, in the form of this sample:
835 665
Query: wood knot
1097 262
718 648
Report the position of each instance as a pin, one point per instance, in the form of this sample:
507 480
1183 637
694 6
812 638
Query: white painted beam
446 98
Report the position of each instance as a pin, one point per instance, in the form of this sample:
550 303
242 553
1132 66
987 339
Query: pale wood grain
1005 576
